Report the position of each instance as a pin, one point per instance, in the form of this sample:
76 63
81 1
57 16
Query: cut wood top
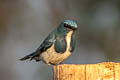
99 71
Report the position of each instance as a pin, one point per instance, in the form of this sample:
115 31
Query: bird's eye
66 25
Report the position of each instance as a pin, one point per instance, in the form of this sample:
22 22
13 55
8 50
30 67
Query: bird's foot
61 63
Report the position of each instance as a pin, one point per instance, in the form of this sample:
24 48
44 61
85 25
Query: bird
57 46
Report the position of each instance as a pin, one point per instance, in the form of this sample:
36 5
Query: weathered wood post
100 71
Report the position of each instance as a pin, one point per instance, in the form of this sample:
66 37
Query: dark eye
66 25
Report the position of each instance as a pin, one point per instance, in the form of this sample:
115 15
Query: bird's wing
43 47
60 44
47 43
73 43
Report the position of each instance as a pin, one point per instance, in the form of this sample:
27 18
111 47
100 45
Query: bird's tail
27 57
31 56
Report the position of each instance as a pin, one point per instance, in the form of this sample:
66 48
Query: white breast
51 57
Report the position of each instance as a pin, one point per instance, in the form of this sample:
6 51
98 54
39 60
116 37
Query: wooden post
100 71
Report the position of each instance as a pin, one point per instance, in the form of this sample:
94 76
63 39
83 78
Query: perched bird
57 46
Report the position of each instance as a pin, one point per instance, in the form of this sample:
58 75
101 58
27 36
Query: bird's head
67 25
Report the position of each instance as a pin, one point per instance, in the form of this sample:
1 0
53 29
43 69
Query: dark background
25 23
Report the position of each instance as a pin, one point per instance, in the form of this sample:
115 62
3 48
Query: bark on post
100 71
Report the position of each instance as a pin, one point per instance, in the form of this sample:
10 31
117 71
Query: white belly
51 57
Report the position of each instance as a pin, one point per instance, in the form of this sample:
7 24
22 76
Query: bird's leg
61 63
52 63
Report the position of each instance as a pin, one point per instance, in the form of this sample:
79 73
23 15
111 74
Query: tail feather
31 56
27 57
24 58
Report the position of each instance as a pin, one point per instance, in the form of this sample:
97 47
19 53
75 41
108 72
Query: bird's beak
73 28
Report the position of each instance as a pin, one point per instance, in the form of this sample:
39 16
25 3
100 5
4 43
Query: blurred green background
25 23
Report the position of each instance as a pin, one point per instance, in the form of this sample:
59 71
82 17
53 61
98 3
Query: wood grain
100 71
